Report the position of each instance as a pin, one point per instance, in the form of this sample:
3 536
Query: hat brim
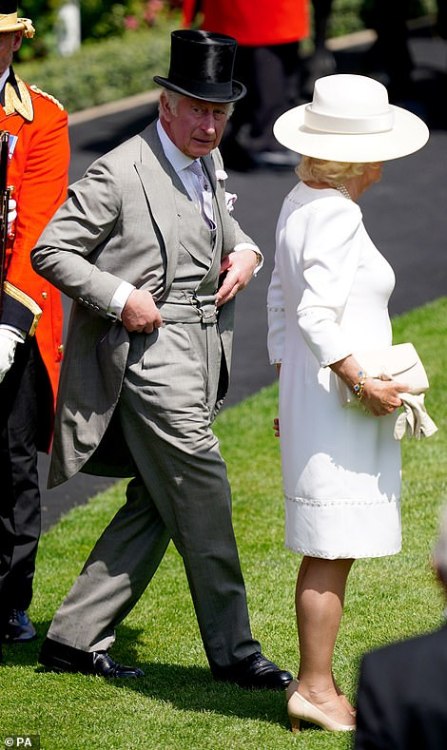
12 27
21 24
409 133
239 90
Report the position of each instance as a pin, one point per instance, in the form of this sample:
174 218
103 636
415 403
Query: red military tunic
253 22
38 173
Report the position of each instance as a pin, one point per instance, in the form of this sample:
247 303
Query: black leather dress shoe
19 627
254 673
60 658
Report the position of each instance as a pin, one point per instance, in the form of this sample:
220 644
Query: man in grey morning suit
146 367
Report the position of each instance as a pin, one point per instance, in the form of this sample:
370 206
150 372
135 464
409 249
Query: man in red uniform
30 321
267 62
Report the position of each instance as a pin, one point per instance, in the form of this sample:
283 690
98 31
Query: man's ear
17 43
165 108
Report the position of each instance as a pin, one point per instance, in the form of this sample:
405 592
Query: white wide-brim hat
350 119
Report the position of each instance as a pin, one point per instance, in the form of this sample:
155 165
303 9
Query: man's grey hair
439 555
174 97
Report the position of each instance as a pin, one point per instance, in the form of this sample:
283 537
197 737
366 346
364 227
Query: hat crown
201 66
346 95
196 56
345 103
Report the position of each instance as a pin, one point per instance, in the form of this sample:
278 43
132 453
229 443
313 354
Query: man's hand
239 268
140 312
7 351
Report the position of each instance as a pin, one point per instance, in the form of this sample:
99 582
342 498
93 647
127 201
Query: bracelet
359 387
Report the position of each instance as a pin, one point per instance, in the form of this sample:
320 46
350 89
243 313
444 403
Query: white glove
12 213
8 343
9 338
414 420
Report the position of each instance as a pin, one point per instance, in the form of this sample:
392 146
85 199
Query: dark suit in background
402 696
402 691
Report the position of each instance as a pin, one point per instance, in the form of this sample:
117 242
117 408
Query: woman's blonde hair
331 172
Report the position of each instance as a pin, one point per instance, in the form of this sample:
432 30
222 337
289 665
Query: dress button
60 349
44 295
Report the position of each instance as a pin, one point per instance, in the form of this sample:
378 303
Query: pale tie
203 193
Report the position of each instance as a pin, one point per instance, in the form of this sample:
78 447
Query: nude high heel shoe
299 709
351 709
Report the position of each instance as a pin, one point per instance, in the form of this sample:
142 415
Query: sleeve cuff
119 299
256 250
19 311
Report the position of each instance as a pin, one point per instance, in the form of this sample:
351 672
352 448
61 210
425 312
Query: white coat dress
327 298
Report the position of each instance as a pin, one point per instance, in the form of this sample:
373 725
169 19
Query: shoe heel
295 724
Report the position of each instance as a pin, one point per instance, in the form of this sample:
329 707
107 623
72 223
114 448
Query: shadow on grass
184 687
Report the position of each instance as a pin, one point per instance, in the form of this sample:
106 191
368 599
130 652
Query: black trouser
271 75
20 497
389 19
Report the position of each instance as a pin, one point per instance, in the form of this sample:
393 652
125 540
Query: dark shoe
60 658
19 627
254 673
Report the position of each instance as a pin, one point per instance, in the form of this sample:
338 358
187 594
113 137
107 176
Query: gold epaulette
47 96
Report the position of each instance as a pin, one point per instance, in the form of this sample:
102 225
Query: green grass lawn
177 706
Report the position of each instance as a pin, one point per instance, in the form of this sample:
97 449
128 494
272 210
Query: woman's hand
382 397
379 397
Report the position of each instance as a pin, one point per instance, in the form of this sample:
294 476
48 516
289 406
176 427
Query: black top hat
202 66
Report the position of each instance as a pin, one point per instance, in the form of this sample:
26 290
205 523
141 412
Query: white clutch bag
400 362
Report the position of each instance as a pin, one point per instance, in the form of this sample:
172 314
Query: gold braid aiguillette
22 105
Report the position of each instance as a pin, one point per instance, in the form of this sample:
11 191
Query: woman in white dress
328 298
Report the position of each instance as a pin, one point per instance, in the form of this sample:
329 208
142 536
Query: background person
29 364
267 63
328 296
322 61
402 687
390 52
140 245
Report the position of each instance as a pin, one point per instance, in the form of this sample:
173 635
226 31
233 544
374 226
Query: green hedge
107 70
102 71
100 19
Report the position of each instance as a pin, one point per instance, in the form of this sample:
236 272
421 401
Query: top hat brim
408 134
205 91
